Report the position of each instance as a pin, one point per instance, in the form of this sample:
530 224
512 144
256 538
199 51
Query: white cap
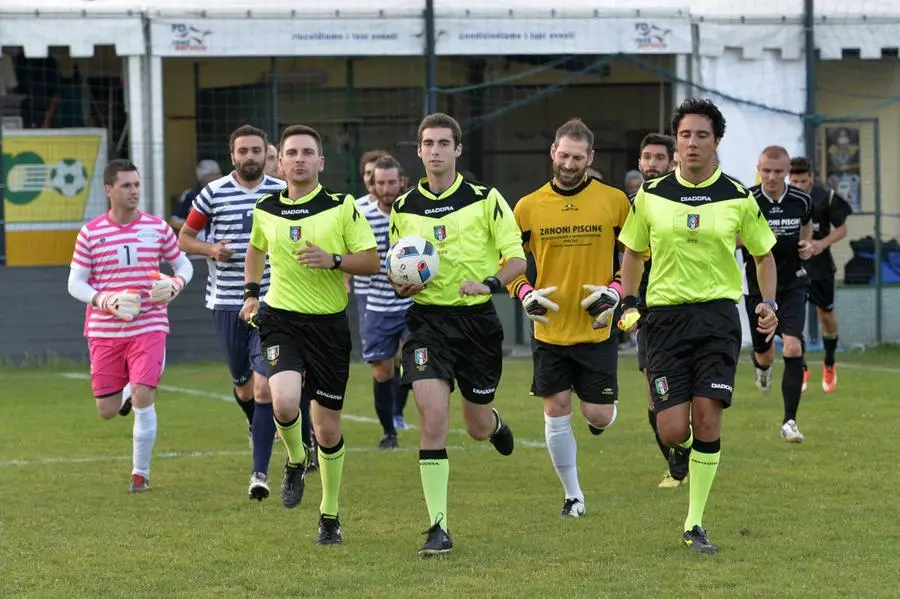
207 167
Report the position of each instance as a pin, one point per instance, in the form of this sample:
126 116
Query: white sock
612 419
563 450
126 394
143 438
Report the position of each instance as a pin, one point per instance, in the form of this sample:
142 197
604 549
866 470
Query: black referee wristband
493 284
251 290
628 302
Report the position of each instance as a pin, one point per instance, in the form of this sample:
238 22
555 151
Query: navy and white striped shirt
381 296
361 282
229 209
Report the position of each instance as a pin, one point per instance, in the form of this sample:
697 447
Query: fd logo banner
53 176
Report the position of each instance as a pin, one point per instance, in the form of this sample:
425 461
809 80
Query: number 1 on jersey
127 255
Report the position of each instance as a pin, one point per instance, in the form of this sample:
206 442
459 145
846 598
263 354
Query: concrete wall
41 321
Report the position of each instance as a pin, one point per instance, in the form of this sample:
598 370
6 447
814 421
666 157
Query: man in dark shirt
207 172
788 211
829 218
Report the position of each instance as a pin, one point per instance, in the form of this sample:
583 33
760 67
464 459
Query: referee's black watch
338 259
494 284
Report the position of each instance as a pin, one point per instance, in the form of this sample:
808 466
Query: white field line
174 455
228 398
213 454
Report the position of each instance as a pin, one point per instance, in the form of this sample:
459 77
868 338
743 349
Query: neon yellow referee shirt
472 227
692 231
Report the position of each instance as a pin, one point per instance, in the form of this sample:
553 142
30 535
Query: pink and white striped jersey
122 257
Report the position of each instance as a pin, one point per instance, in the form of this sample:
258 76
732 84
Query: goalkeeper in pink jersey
115 271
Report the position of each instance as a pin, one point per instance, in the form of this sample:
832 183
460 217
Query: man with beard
657 158
570 228
385 326
226 207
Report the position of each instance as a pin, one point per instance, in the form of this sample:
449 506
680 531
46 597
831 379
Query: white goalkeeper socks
563 451
143 438
126 394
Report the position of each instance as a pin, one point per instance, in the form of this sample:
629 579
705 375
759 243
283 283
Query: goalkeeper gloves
165 288
600 303
124 305
536 303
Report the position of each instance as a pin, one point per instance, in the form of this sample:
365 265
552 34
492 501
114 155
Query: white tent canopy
395 27
742 46
772 10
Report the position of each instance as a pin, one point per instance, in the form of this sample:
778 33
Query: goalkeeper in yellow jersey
570 226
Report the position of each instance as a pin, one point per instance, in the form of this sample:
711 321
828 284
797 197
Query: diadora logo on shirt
568 207
292 211
439 210
695 199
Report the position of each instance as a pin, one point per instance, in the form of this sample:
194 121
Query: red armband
196 220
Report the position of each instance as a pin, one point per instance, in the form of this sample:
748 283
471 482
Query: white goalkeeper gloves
124 305
536 303
600 303
165 288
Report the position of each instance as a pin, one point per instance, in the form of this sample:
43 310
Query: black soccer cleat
437 543
330 532
292 485
312 463
595 430
388 442
679 462
125 410
697 539
503 439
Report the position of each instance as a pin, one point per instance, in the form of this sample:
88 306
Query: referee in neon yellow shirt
691 218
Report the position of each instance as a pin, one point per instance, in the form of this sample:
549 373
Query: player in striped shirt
115 271
225 206
385 329
359 285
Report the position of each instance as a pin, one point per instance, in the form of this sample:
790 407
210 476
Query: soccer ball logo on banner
69 177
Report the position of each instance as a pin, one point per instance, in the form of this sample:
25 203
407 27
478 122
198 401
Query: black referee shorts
821 293
316 345
692 351
461 345
791 316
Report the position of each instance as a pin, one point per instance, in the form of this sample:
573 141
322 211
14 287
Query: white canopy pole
137 113
156 143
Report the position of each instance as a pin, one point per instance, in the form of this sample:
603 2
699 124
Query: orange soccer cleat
805 380
829 379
